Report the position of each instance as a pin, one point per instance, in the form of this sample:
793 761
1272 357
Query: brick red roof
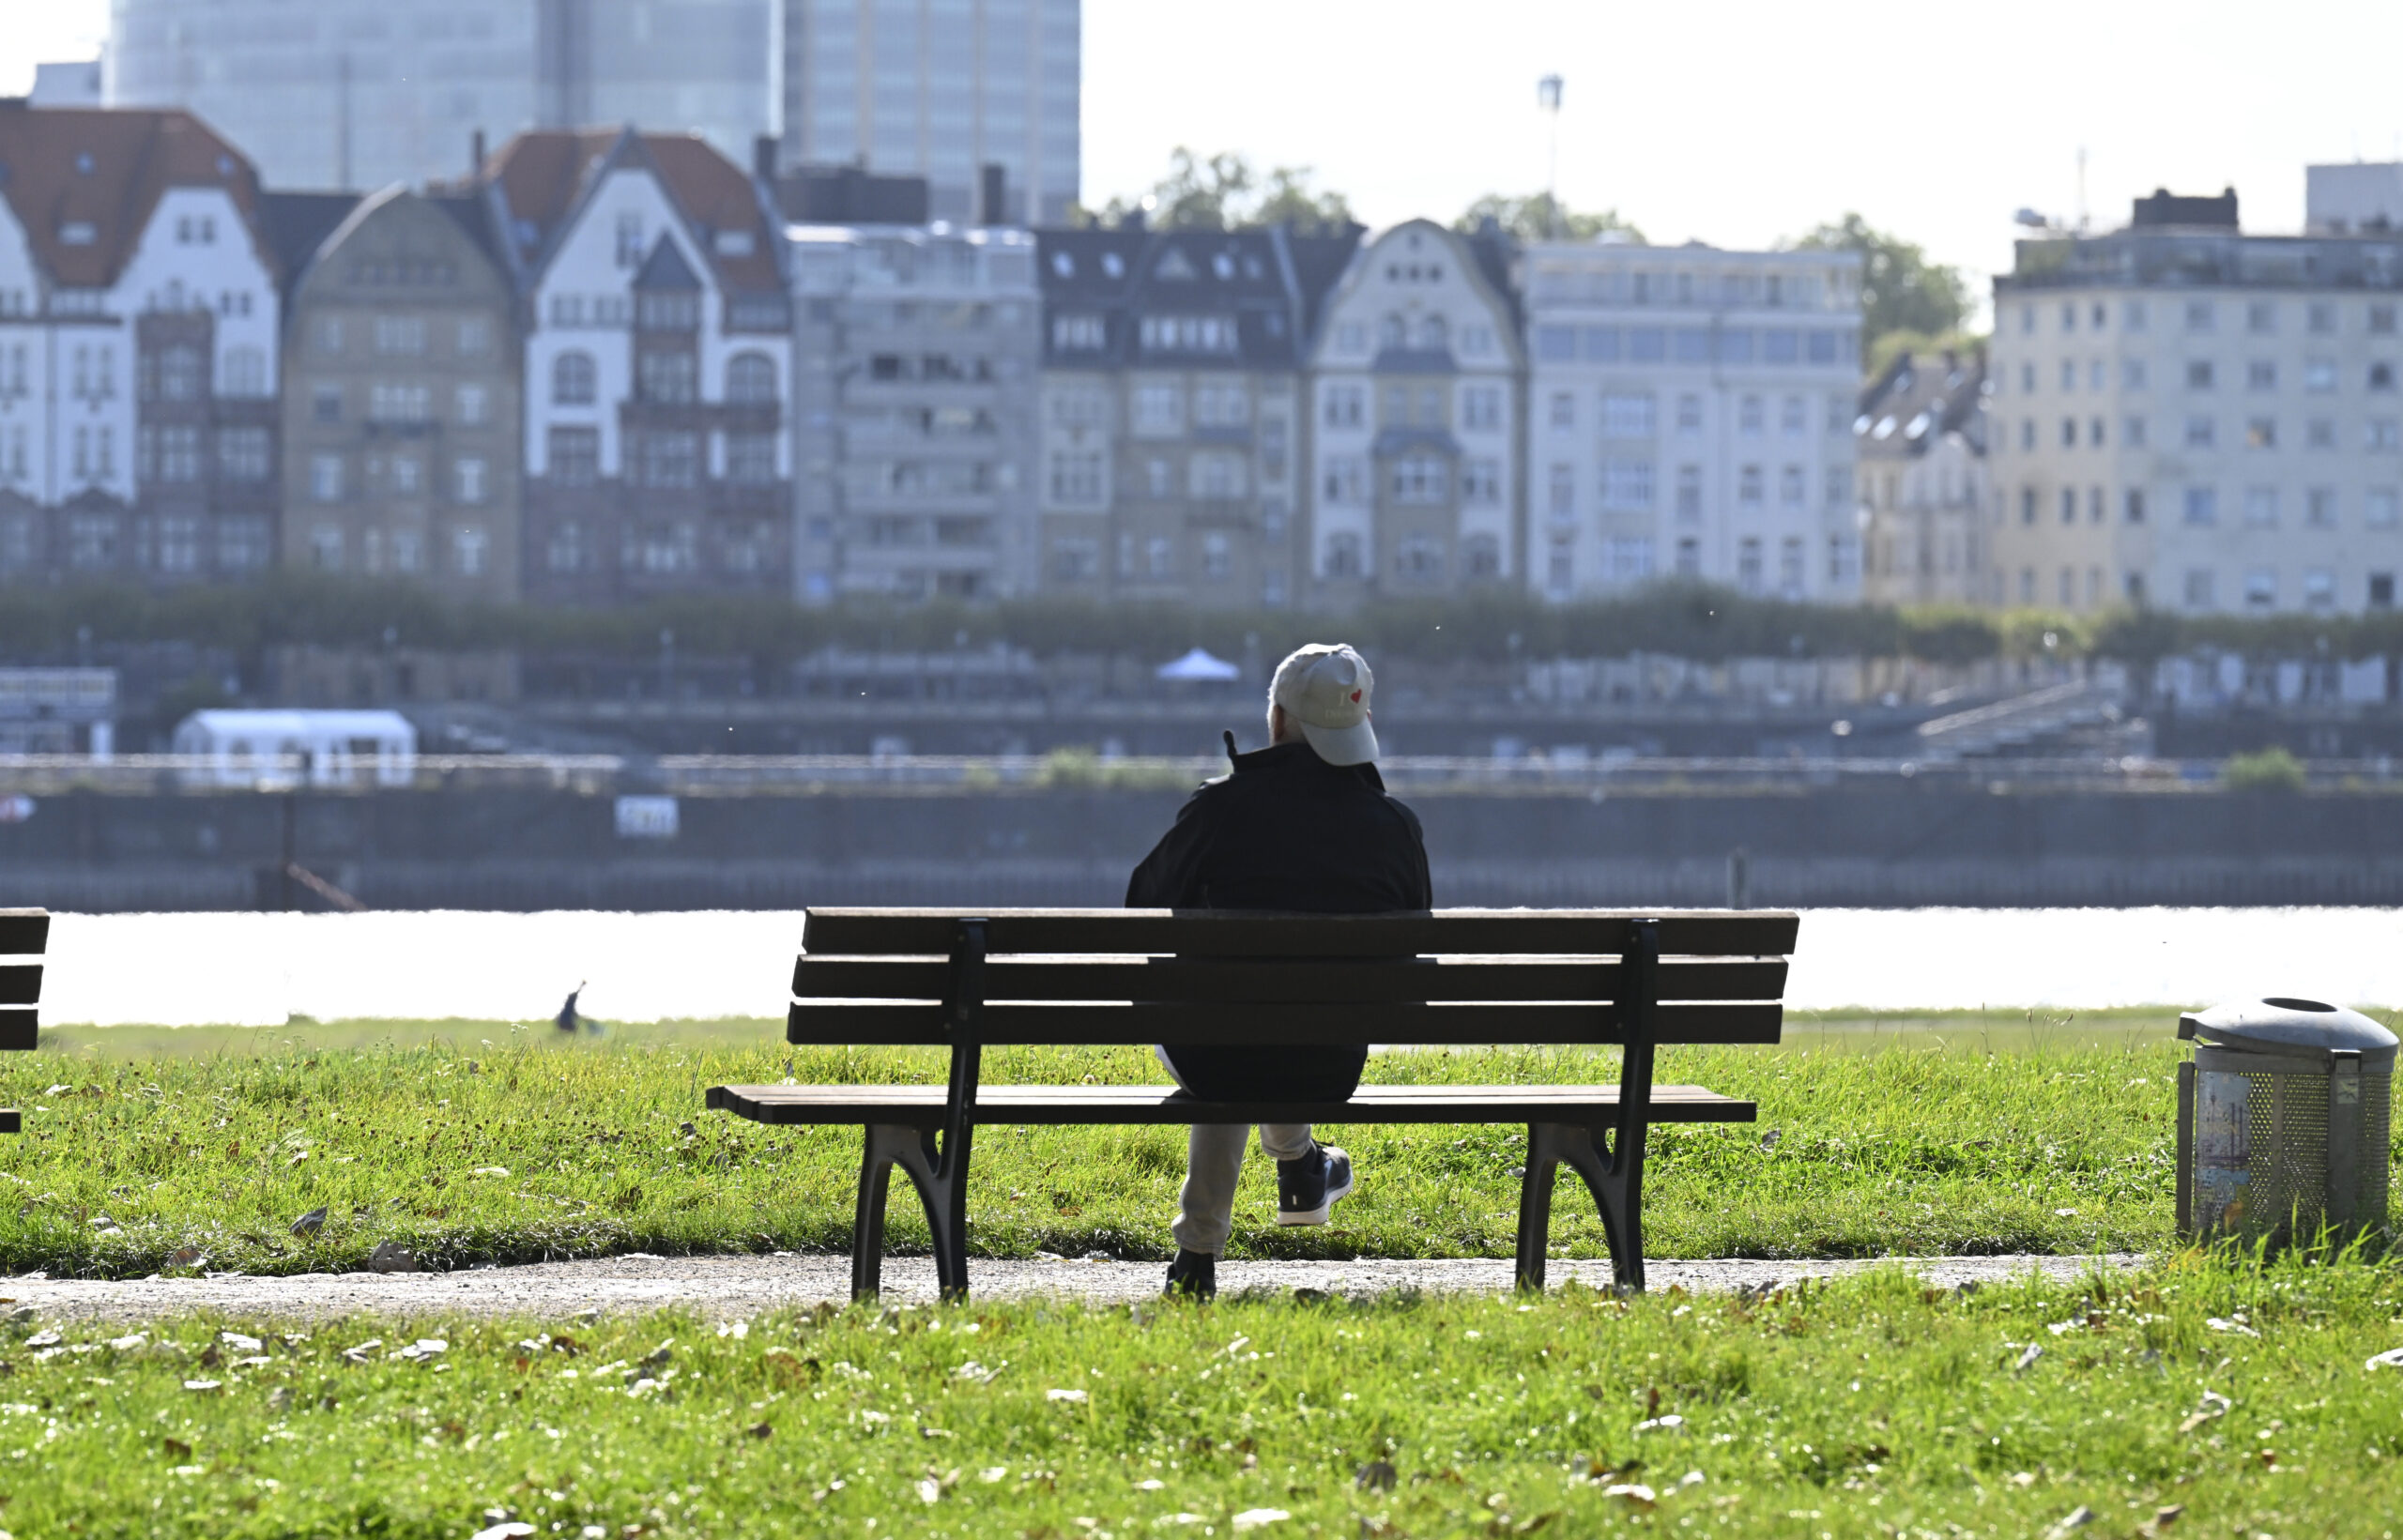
106 168
543 176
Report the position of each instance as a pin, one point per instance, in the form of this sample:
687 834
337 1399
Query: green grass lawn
2197 1398
470 1142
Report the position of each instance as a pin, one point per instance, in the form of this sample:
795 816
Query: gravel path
743 1286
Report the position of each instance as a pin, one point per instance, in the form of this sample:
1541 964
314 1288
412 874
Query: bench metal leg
1615 1180
941 1178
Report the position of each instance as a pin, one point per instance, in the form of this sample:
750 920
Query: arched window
750 380
573 380
1432 334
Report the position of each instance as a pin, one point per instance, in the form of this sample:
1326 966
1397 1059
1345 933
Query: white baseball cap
1325 688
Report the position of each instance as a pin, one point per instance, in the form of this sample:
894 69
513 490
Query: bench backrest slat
1234 982
862 933
23 933
25 936
896 1023
1133 976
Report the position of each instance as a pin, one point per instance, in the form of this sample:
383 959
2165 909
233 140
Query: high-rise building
362 92
1173 410
1690 414
940 89
915 410
2190 417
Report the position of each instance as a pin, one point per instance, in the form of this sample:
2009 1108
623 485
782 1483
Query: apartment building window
2027 379
2260 508
1627 484
2069 505
2069 315
1689 414
670 459
1078 408
667 379
574 379
2201 433
576 456
2261 374
2261 433
1748 564
1560 565
1216 476
1794 417
2260 318
1157 480
2381 590
178 375
1749 417
2201 316
2382 507
2133 587
2381 376
2132 433
244 454
1215 555
2132 374
2320 375
2068 433
2319 508
405 475
2202 506
179 544
2094 432
1561 491
1481 481
2319 588
2028 320
2381 320
1628 558
245 372
324 477
399 334
1790 490
2098 374
2379 433
2132 315
1838 490
2028 433
1159 410
1076 560
1689 558
467 480
1482 558
1222 406
2066 594
1789 568
751 380
2261 589
324 404
1347 482
629 239
408 551
1750 489
1480 407
1342 554
1077 334
2026 505
330 336
471 405
2069 374
1626 415
1418 559
1186 334
474 337
2202 374
2202 588
1076 477
469 546
2320 433
388 403
1564 409
325 548
564 551
241 543
2320 317
2098 505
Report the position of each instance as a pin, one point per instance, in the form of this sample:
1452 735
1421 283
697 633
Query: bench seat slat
18 1030
19 983
922 1105
888 1023
23 933
1357 981
1736 933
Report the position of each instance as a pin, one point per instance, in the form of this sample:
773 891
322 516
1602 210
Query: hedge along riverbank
1708 624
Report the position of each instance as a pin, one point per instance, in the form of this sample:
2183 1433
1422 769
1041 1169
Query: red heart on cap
1356 695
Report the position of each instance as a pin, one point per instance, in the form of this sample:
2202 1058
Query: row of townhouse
604 366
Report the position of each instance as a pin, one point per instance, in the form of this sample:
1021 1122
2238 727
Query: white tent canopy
1198 664
342 747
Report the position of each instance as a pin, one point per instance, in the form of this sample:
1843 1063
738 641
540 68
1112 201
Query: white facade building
1415 386
1690 414
138 350
942 91
2188 416
361 93
917 431
1926 499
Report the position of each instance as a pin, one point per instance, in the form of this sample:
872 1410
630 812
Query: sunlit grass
2197 1397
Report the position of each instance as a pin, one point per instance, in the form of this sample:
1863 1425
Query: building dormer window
630 241
1188 334
1112 265
83 163
1433 335
1392 332
675 309
78 232
1064 265
1224 266
733 243
1077 334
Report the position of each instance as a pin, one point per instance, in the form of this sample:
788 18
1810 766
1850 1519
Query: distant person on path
1303 825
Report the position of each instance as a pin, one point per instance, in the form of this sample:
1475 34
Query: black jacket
1284 829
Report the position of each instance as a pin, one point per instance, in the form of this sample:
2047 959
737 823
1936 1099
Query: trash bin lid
2283 1025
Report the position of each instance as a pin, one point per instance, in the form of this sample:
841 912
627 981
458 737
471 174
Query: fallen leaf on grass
503 1532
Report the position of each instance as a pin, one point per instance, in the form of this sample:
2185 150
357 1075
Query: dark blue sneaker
1194 1273
1306 1188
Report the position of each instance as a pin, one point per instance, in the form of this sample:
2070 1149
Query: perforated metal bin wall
2283 1120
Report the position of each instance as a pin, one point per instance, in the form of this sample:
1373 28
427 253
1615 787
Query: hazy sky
1735 123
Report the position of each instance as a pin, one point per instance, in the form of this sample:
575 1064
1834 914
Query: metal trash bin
2282 1120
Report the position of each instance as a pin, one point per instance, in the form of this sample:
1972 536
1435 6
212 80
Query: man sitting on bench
1302 824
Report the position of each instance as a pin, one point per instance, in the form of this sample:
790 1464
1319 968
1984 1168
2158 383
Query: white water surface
262 970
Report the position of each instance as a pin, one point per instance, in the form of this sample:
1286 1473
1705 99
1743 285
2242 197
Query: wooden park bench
967 980
23 935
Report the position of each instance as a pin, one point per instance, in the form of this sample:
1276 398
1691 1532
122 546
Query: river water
262 970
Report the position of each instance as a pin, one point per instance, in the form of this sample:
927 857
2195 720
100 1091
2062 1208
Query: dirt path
728 1287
